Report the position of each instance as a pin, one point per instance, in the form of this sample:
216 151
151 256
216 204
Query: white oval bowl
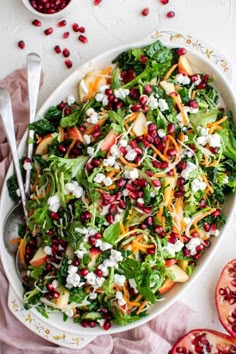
69 86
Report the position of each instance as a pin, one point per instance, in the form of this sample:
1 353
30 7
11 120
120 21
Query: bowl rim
81 72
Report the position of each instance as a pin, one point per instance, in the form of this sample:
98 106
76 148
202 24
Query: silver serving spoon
18 215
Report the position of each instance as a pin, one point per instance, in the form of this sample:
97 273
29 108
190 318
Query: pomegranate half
225 297
204 341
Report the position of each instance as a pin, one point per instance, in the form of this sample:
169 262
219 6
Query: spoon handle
8 124
33 63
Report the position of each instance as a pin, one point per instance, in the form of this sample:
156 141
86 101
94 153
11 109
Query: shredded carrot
181 137
207 183
159 174
112 186
164 158
170 137
91 128
15 241
125 162
193 94
206 161
123 231
126 291
72 144
36 180
170 71
218 122
22 251
62 133
214 163
37 197
180 107
141 307
215 127
131 304
132 117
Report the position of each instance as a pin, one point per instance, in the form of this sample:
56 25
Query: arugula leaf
112 233
122 318
203 118
72 168
130 267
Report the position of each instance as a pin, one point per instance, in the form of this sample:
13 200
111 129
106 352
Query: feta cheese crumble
121 93
132 173
192 245
198 184
186 173
182 79
173 248
54 203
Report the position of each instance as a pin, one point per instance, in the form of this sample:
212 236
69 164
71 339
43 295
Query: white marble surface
111 24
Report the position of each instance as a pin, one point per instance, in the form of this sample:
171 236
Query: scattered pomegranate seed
96 2
21 44
61 148
57 49
84 323
164 2
201 86
145 11
75 27
66 34
36 23
193 104
143 58
54 215
107 325
181 51
83 39
48 31
83 272
68 63
170 14
61 23
81 29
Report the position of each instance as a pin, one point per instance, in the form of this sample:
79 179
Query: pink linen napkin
156 336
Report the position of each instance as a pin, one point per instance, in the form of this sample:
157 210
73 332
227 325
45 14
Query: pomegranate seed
75 27
143 58
48 31
217 213
156 183
213 227
97 2
54 215
36 23
194 78
182 165
173 94
149 220
61 148
202 204
171 152
145 11
66 34
135 108
205 78
66 52
75 262
56 294
83 39
214 150
107 325
181 51
57 49
110 218
92 240
83 272
171 128
164 2
98 273
122 204
199 248
193 104
84 323
148 89
179 194
163 165
151 251
143 100
201 86
81 29
50 287
68 63
21 44
147 210
61 23
92 324
170 14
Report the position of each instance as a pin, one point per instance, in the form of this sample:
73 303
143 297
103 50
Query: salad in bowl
129 178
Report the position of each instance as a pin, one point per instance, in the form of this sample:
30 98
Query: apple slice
94 253
62 301
39 258
168 87
74 134
184 66
70 252
179 274
139 124
167 285
109 140
90 84
42 147
182 263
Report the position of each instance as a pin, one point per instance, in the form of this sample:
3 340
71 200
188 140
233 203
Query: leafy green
43 127
228 137
112 233
71 168
12 186
70 120
203 118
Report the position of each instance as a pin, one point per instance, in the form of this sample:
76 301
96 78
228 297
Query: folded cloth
156 336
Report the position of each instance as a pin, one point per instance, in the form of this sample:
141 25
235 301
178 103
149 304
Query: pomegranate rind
217 341
224 308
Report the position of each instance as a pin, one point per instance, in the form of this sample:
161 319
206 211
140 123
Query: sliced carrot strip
72 144
125 162
180 107
22 252
164 158
170 71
